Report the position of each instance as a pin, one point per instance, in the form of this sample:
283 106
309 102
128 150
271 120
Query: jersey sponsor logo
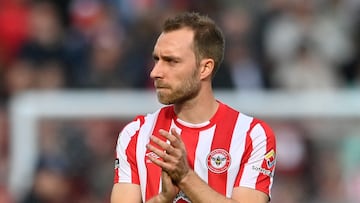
270 159
117 164
181 198
218 161
263 171
152 154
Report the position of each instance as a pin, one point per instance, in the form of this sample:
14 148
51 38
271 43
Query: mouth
161 89
160 86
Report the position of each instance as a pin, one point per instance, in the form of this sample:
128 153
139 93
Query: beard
186 90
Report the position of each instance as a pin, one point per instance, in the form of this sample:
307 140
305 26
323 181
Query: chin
164 99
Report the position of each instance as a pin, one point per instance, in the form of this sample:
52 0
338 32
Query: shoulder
255 126
141 121
261 126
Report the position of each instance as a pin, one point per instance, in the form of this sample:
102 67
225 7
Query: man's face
175 72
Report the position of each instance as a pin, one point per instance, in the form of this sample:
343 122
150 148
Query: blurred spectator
107 59
138 48
327 169
351 71
100 141
263 18
303 23
13 28
240 70
20 76
50 75
294 159
4 156
44 48
51 184
305 72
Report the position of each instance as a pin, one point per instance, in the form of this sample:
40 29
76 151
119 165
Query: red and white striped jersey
230 150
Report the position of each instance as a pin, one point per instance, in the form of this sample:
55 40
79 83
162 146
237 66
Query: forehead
176 41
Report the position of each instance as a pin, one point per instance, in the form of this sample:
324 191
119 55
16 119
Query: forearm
199 191
159 199
155 199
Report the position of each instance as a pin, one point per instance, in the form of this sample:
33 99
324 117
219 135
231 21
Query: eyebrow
166 57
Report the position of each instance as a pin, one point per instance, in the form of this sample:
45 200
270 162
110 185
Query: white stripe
202 150
237 148
124 139
144 137
258 138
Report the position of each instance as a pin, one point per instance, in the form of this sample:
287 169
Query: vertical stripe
190 139
144 136
257 155
131 149
125 147
264 182
237 148
152 183
246 155
222 138
202 151
132 159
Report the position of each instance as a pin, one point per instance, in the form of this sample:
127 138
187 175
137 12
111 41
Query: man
195 149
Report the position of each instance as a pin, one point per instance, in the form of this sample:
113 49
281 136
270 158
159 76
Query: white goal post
28 108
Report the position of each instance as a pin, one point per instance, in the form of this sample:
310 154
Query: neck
197 110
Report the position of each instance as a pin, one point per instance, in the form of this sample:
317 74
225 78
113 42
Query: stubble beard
187 90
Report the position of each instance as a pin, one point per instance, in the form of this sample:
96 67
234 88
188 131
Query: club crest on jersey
218 161
181 198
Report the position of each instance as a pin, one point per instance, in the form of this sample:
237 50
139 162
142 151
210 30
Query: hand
168 189
173 155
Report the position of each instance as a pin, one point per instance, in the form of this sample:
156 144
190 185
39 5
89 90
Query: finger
175 133
165 146
159 161
159 152
173 137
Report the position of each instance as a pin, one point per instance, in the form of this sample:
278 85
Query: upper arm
256 174
126 193
249 195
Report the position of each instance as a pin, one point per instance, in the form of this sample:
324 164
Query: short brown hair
209 40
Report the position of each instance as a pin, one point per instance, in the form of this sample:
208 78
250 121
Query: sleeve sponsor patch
117 164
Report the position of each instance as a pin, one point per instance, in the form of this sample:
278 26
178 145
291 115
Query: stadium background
286 46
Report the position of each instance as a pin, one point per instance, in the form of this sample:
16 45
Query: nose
156 71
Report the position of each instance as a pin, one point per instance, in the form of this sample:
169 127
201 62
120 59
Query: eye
156 59
171 61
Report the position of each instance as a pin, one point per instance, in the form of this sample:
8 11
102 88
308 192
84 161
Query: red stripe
221 140
190 139
263 181
154 172
246 155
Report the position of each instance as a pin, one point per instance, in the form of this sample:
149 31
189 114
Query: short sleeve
126 170
259 159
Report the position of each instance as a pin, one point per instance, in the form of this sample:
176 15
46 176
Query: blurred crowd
289 45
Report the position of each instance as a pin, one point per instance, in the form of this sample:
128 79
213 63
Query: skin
179 80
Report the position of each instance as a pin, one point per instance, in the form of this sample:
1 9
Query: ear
206 68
